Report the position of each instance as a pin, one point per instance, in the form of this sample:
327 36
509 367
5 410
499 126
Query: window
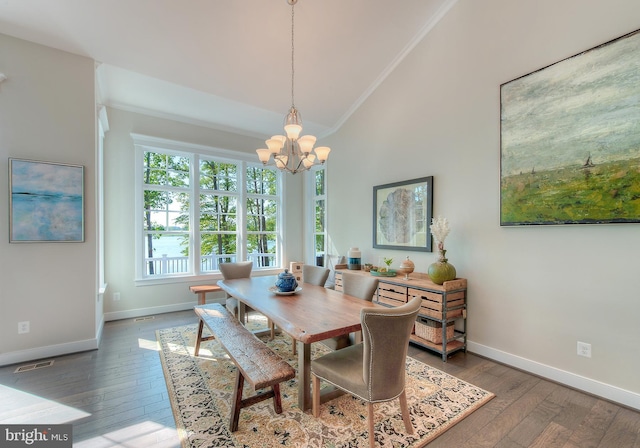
262 215
198 209
318 193
218 213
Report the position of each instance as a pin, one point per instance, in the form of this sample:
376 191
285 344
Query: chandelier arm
299 165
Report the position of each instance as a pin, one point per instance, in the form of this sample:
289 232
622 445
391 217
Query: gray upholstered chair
315 275
240 269
230 271
373 371
356 285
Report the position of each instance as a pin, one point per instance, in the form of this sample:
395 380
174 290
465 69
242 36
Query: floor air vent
140 319
37 365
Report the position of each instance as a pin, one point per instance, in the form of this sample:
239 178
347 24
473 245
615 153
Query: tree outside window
320 218
262 215
236 202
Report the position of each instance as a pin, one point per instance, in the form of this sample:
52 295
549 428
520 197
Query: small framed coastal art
46 202
570 139
402 214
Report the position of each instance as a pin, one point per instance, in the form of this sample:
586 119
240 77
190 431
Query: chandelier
291 152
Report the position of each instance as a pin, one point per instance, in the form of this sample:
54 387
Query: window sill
211 278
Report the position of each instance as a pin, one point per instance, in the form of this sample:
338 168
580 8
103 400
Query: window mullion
194 219
242 213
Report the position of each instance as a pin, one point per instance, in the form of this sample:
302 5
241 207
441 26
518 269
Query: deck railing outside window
175 265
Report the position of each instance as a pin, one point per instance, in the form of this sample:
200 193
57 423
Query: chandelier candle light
292 153
441 271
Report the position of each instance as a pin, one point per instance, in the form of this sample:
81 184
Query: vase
406 268
286 282
441 271
354 255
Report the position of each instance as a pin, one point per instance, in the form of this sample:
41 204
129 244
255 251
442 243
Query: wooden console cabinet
443 312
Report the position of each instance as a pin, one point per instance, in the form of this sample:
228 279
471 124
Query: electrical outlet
23 327
584 349
116 296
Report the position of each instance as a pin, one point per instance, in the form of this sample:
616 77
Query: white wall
47 113
140 300
534 291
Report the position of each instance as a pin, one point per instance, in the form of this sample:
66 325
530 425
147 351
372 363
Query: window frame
195 152
311 198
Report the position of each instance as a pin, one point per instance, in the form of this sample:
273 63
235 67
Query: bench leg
237 402
198 337
277 399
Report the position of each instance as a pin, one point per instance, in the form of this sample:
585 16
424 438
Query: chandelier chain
293 153
292 55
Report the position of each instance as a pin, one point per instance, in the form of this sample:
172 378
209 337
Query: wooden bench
202 290
255 362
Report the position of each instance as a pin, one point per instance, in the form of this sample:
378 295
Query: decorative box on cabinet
443 307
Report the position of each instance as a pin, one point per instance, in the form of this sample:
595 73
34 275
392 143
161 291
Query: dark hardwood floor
116 396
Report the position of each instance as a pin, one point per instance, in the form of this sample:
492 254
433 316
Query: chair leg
315 403
272 328
405 412
294 346
372 434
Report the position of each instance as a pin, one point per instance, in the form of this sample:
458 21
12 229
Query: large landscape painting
570 139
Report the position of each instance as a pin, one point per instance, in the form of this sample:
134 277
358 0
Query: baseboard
48 351
89 344
606 391
140 312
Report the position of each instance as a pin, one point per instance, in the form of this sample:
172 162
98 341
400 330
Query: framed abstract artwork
46 202
570 139
402 214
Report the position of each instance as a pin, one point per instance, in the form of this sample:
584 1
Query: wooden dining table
312 314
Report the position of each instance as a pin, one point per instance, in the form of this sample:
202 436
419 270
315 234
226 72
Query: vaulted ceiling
227 63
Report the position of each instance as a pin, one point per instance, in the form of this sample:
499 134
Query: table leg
202 298
304 375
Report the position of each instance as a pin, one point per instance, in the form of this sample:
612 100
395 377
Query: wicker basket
431 330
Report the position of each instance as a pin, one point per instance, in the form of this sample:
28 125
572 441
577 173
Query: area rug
201 389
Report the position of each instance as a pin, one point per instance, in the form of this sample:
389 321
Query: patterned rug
201 390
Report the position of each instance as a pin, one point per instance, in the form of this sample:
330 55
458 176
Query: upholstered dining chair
373 371
315 275
240 269
230 271
362 287
358 285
